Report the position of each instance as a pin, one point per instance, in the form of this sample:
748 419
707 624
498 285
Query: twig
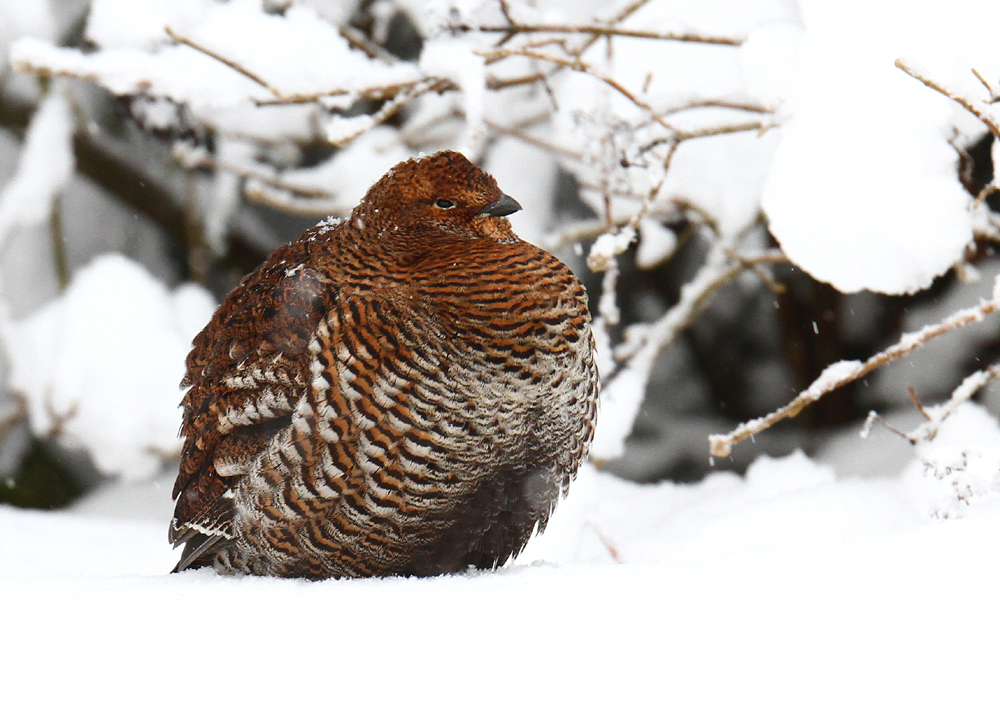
581 66
581 230
717 271
601 31
361 42
965 102
519 134
842 373
965 391
386 92
283 198
606 542
993 96
916 402
393 106
222 59
874 418
717 103
261 175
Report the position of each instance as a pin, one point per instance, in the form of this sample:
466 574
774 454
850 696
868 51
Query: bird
408 391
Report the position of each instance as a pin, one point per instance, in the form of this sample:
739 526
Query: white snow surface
100 366
790 585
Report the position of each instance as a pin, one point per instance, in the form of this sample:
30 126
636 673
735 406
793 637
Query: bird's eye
444 203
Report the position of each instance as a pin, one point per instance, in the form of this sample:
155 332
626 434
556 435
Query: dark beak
505 206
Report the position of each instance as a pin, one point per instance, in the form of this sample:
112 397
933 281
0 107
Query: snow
294 53
862 192
99 366
721 175
23 18
138 24
351 171
955 474
790 585
865 573
45 166
833 376
656 243
455 59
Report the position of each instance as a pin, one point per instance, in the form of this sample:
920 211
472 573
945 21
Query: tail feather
199 550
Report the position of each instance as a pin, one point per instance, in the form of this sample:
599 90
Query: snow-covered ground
867 573
797 583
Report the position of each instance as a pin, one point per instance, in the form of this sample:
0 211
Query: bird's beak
505 206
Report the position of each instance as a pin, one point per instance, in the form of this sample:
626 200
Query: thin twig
601 31
222 59
965 102
581 66
262 175
962 393
916 402
717 103
606 542
522 136
993 95
361 42
391 107
280 197
842 373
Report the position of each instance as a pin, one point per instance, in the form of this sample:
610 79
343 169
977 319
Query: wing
245 372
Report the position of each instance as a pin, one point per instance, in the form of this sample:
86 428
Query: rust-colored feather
407 392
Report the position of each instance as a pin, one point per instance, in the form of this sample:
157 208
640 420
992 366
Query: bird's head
443 193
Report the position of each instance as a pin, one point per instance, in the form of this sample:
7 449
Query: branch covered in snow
965 101
45 166
841 373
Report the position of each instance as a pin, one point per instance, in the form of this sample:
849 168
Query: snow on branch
965 101
651 118
44 168
843 372
937 415
237 58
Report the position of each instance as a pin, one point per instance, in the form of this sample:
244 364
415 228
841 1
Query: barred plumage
408 392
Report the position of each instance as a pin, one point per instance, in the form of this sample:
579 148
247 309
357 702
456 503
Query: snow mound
44 168
863 191
100 366
957 473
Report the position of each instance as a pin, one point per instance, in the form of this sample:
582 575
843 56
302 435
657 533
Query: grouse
406 392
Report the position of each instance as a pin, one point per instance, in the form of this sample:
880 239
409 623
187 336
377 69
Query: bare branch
361 42
222 59
718 103
916 402
391 107
965 102
601 31
519 134
260 174
964 392
842 373
993 95
281 197
577 64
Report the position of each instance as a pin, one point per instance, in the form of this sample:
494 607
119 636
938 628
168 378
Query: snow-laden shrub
727 121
